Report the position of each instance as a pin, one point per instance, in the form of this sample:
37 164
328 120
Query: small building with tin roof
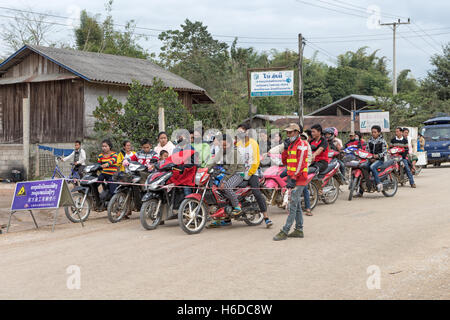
62 87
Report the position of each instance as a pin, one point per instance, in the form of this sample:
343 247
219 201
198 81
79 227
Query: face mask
292 139
241 135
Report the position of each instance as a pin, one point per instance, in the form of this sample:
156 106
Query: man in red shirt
295 157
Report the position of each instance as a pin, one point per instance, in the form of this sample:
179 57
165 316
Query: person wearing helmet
330 135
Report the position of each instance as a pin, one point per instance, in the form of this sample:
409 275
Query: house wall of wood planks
34 64
56 111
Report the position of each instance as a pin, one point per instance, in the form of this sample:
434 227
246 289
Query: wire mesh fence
48 164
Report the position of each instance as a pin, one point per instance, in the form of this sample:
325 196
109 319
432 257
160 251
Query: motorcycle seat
386 164
312 170
330 167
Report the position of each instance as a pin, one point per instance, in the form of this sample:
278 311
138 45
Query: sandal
308 212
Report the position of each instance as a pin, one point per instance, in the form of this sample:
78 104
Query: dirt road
405 238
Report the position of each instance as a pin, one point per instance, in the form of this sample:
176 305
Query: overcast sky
331 26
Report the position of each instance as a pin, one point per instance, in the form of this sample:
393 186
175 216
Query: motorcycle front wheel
150 214
394 182
118 206
354 183
187 219
330 196
83 211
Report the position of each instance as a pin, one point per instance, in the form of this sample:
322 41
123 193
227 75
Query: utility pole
300 78
394 72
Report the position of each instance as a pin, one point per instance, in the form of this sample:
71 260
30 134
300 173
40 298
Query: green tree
95 36
438 78
195 55
137 118
405 83
360 73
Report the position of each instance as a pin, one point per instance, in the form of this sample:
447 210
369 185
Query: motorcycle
328 181
127 197
198 208
274 187
395 153
386 174
86 196
161 199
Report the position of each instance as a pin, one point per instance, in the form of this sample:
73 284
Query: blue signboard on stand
39 195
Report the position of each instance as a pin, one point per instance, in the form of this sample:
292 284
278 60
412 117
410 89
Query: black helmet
329 131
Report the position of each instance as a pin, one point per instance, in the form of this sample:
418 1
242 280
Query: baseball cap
292 127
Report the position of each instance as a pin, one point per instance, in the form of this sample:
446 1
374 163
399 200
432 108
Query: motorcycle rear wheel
150 219
117 209
313 195
188 223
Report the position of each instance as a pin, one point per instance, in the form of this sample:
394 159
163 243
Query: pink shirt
168 147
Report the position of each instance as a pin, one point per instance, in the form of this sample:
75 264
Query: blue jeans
306 196
408 171
373 167
295 210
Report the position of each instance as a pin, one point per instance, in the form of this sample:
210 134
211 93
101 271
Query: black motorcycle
127 197
161 201
87 197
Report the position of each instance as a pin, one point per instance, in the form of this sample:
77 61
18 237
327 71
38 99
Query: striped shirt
111 161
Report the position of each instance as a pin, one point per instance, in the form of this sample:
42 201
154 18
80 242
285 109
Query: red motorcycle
395 153
275 186
386 173
197 208
329 180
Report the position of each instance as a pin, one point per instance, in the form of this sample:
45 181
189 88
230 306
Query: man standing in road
295 157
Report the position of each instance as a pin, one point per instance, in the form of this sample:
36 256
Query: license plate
436 155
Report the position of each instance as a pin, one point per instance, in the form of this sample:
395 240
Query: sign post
369 119
269 82
39 195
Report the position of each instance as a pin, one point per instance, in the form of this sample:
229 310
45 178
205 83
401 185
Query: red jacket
296 160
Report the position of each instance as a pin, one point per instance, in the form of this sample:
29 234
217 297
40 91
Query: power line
371 35
439 44
424 39
417 47
388 15
328 8
376 39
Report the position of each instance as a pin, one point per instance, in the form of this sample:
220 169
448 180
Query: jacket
296 160
250 155
377 146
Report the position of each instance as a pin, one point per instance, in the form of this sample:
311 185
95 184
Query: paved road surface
407 237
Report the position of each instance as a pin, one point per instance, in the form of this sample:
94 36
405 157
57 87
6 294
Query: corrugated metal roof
108 68
360 97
